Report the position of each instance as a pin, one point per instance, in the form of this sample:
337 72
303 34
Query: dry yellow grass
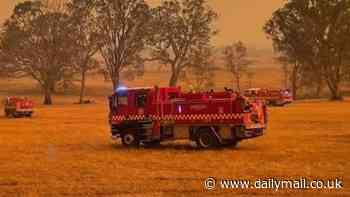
64 150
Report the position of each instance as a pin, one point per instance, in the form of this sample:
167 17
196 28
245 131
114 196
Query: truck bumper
115 137
115 134
24 112
250 133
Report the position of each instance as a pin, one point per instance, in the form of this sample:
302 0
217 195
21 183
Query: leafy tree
236 61
285 70
181 29
86 43
314 34
123 27
36 42
312 81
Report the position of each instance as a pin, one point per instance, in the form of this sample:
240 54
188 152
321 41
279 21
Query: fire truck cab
150 115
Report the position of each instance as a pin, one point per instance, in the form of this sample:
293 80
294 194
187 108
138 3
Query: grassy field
65 150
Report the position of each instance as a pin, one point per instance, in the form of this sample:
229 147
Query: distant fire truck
18 107
270 96
150 115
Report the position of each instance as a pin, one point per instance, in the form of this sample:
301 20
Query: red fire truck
272 97
18 107
150 115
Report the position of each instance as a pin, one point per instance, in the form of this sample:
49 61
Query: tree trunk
106 75
115 81
47 95
82 87
319 89
53 88
174 77
285 75
238 83
294 83
285 80
335 90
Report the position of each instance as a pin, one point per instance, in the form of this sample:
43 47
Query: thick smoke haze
238 19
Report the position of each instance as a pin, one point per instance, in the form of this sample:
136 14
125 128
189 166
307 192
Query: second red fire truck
150 115
274 97
18 107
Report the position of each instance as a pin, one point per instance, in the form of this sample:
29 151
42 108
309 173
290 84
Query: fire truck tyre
130 140
206 139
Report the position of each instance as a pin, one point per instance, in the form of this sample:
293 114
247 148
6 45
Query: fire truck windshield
122 97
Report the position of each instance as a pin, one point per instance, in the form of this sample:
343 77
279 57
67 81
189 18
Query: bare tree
236 61
123 29
86 42
35 42
182 28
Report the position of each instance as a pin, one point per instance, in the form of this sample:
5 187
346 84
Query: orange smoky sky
238 19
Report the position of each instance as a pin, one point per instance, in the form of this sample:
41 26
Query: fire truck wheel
130 140
206 139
